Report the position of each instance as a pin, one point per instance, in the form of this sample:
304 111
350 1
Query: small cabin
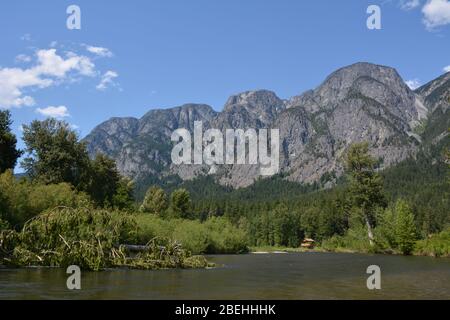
308 243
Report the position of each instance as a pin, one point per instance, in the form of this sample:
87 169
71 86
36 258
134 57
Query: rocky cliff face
361 102
436 93
436 98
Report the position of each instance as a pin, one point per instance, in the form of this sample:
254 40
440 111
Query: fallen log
139 248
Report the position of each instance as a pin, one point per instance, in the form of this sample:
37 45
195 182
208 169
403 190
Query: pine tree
365 185
405 227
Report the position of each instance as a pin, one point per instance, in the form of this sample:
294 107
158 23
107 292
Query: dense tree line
367 210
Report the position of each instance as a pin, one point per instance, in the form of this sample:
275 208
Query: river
252 276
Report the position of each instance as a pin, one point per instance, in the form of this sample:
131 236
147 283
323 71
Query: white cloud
23 58
50 69
413 84
436 13
100 51
107 80
447 69
51 64
54 112
409 4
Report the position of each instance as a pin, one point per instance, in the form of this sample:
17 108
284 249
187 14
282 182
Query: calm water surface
254 276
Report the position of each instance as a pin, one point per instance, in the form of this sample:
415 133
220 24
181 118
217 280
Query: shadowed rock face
361 102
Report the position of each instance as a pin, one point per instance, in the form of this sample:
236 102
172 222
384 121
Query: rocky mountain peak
252 109
357 76
261 100
436 93
360 102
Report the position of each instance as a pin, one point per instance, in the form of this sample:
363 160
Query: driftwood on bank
138 248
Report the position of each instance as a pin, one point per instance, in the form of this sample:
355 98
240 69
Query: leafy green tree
180 203
54 154
123 198
405 231
386 228
155 201
104 180
366 185
8 151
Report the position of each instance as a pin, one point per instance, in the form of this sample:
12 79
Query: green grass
214 236
91 239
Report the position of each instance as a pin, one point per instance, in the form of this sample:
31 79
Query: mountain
360 102
436 97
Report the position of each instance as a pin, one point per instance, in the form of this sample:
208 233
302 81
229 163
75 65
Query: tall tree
155 201
55 154
180 203
8 151
365 185
406 233
104 180
124 196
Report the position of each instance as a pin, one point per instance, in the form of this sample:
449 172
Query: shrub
155 201
193 235
151 226
437 245
91 239
216 235
354 240
24 200
224 237
397 229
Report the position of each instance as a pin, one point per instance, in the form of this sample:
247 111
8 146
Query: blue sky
163 53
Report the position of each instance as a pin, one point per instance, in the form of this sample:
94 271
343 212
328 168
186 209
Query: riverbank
424 248
91 239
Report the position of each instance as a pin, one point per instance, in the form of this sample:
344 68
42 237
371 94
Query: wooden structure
308 243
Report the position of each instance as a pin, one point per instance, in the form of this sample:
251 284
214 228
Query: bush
24 200
354 240
155 201
437 245
216 235
224 237
397 229
151 226
91 239
193 235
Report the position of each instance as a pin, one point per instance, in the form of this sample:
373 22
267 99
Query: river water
253 276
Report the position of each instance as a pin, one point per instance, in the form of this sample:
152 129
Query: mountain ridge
360 102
